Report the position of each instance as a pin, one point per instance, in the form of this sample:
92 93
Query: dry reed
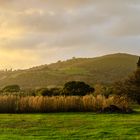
40 104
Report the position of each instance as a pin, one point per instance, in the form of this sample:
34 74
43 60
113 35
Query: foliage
77 88
129 87
70 88
49 92
103 90
42 91
11 88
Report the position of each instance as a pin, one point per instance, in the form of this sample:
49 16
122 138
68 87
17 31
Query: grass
105 69
75 71
70 126
41 104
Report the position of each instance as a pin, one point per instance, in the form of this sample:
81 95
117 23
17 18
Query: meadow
77 118
70 126
74 112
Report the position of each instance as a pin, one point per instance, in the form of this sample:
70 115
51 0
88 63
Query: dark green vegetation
130 87
106 69
11 88
70 126
78 126
48 91
105 98
72 88
77 88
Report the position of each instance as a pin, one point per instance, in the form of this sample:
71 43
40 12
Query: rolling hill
105 69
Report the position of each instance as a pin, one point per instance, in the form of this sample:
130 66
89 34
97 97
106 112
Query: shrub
49 92
130 87
43 92
77 88
103 90
11 88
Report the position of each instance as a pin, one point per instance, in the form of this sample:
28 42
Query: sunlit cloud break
37 32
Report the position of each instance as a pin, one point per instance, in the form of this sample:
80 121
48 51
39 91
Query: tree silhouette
77 88
131 86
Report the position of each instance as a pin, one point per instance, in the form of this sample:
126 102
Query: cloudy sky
34 32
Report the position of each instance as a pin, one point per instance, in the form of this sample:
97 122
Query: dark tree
77 88
49 92
131 86
55 91
43 92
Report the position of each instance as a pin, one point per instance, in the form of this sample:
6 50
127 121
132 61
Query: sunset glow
35 32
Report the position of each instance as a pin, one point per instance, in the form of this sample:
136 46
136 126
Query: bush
129 87
11 88
103 90
77 88
55 91
49 92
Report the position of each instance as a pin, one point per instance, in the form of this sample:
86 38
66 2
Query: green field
67 126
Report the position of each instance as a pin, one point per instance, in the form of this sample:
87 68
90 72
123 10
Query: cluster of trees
48 91
11 88
74 88
129 88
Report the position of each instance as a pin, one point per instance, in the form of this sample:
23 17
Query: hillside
105 69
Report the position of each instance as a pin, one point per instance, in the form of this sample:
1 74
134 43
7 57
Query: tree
131 86
77 88
49 92
43 91
11 88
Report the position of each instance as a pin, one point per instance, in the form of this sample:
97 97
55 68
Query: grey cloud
28 42
51 25
45 22
126 24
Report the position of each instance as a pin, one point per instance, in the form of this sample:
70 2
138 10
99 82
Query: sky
36 32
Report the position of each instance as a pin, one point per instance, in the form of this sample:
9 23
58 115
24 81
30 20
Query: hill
105 69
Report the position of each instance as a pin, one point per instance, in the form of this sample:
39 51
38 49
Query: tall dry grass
40 104
8 104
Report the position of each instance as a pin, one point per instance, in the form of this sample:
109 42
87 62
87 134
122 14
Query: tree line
128 88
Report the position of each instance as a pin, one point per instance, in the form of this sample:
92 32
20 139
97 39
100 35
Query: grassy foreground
67 126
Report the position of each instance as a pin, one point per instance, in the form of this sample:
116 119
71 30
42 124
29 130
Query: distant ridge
104 69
